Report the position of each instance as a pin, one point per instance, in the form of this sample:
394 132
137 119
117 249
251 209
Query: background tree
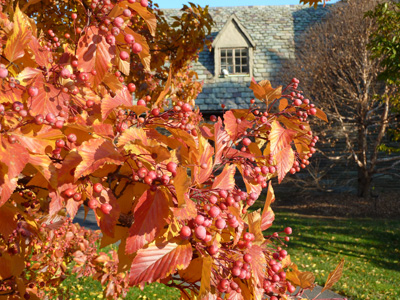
343 76
385 45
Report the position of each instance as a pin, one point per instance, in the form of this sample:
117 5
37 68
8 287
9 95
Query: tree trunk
364 183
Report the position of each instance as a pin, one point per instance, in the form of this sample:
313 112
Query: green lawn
371 249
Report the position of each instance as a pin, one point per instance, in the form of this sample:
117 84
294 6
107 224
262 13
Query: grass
371 249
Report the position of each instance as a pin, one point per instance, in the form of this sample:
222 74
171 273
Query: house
248 41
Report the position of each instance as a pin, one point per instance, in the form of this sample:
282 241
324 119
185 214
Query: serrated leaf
122 98
20 37
206 151
181 184
280 137
234 129
50 99
264 91
150 216
268 215
284 162
334 276
8 219
205 284
254 222
193 272
225 180
94 53
95 153
159 260
258 264
132 134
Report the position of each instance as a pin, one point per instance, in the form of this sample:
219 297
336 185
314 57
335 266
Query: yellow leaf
205 285
334 276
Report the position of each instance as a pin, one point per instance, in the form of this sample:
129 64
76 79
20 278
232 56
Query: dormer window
233 50
235 60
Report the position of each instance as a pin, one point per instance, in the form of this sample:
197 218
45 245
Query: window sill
234 75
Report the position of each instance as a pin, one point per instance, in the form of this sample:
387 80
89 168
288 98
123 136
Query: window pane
244 52
230 69
237 61
237 52
237 69
244 60
245 69
229 52
223 53
230 61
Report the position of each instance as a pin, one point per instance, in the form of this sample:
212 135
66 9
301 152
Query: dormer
233 50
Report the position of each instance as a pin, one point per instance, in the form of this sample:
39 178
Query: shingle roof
275 31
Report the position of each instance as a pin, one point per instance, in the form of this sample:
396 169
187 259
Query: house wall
274 30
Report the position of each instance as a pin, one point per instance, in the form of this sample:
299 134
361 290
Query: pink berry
213 249
297 102
74 16
171 166
213 118
220 224
97 187
199 220
186 232
3 72
50 118
213 199
124 55
186 107
214 211
288 230
33 91
246 142
200 232
106 208
118 22
141 102
129 38
236 271
247 258
137 48
127 12
60 143
65 73
144 3
72 138
313 111
110 39
131 87
92 203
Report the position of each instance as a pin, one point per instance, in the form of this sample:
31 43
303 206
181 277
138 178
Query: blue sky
179 3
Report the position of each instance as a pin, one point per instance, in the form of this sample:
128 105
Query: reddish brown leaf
160 260
96 153
150 215
284 162
13 158
258 264
206 152
283 103
321 115
234 129
122 98
221 140
166 89
268 215
225 180
8 219
280 137
37 141
94 53
132 134
205 284
72 207
181 184
334 276
148 17
11 265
